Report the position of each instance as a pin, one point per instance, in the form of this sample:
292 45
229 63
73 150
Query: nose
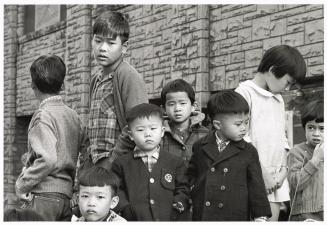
316 132
91 202
177 107
147 133
104 47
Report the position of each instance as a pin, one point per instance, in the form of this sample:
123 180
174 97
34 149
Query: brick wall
213 47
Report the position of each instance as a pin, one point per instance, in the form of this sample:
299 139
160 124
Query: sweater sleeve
43 142
300 169
182 190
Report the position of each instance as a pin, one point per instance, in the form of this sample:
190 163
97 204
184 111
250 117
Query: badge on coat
168 177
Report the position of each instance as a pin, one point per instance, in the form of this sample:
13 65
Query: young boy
306 167
55 137
224 171
152 182
114 90
97 195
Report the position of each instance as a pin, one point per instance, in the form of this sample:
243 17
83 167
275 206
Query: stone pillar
10 72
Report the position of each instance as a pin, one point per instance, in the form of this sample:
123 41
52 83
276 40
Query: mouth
178 116
148 141
102 57
91 212
315 140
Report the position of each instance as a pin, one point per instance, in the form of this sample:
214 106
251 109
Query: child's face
95 202
107 50
147 132
232 126
314 132
276 85
178 107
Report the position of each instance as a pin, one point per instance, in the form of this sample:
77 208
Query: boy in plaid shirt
152 182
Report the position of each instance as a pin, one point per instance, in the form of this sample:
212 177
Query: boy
97 195
306 167
224 171
55 138
183 126
114 90
152 182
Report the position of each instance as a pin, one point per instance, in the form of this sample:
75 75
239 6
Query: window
37 17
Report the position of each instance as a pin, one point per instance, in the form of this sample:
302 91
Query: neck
182 126
259 79
42 97
111 68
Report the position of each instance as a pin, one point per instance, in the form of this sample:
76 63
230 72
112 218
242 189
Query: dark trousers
51 206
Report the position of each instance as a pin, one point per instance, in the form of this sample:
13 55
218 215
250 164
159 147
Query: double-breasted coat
226 186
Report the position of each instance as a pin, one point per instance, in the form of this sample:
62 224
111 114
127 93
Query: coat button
225 170
183 147
223 188
207 203
151 201
151 180
220 205
212 169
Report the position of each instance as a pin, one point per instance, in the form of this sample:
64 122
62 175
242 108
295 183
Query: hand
281 176
25 197
261 219
178 206
318 153
270 183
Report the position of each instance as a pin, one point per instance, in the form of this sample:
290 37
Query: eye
321 128
153 128
84 196
101 197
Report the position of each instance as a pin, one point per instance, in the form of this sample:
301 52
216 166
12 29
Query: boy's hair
178 85
313 111
14 214
226 102
283 59
112 24
48 73
98 176
143 110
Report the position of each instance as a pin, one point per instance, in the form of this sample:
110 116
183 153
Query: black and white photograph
163 112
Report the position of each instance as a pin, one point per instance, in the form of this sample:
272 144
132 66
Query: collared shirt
222 144
112 217
149 159
103 128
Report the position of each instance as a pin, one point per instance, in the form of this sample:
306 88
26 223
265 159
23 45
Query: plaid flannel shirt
149 160
222 144
103 128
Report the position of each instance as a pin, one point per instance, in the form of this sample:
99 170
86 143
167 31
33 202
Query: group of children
142 162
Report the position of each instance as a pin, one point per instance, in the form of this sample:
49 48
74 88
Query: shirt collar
262 91
220 140
52 99
138 153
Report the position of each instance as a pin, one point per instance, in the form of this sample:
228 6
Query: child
306 167
55 138
114 90
183 127
15 214
280 68
97 195
152 182
224 171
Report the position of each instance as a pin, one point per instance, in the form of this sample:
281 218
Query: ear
114 202
62 86
130 135
162 131
271 70
216 124
195 105
125 47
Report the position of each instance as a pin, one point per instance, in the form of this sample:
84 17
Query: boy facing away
224 171
306 167
114 90
56 135
97 195
152 181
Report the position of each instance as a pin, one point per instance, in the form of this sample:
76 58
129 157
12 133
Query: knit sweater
309 195
55 137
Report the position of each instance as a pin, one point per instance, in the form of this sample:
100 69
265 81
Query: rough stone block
288 13
217 78
253 57
237 57
295 39
234 23
261 28
218 30
278 27
215 14
220 60
295 28
314 31
245 35
315 61
304 17
317 70
311 50
232 79
270 42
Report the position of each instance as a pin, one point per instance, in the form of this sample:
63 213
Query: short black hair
178 85
15 214
284 59
227 102
98 176
313 111
143 110
113 24
48 73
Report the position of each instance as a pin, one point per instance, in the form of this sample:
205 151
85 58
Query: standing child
153 183
306 167
55 138
280 68
97 195
224 171
113 91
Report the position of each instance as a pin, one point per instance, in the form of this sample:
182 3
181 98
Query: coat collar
210 148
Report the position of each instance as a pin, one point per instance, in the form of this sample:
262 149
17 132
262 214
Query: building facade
213 47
